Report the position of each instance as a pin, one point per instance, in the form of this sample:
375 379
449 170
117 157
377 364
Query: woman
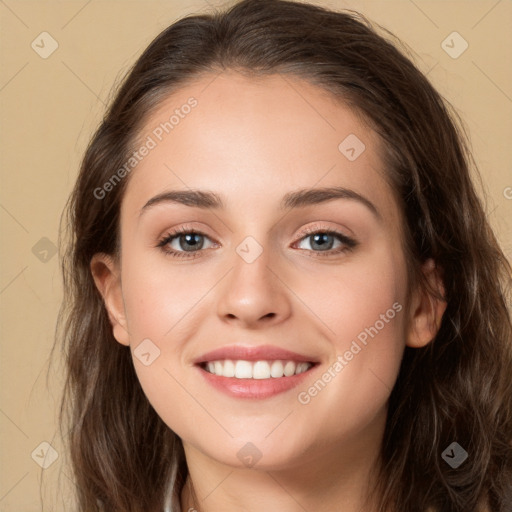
281 287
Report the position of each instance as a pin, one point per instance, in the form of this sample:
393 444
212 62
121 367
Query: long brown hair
456 389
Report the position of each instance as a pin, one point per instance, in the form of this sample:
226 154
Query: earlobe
426 309
107 278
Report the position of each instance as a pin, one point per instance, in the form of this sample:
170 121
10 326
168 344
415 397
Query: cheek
361 306
159 305
160 298
351 297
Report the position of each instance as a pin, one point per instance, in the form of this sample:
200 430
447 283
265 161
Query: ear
426 310
107 277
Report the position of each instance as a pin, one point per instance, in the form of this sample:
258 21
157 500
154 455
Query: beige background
49 108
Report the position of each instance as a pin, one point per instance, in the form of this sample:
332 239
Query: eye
326 242
184 243
189 243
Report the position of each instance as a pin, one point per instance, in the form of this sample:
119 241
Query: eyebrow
296 199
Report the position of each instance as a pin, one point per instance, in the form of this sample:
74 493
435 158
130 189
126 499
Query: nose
253 295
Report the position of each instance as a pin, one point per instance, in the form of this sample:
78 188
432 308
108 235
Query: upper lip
252 353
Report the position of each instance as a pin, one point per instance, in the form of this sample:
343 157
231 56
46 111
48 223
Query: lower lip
254 388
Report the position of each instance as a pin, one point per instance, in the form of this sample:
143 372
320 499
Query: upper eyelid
318 229
306 231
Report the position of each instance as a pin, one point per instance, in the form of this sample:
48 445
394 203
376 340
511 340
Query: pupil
319 241
191 239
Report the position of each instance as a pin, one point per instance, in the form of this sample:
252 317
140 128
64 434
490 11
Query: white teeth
289 369
257 369
261 370
229 369
276 369
243 370
302 367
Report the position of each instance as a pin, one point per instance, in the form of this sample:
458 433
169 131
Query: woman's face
280 264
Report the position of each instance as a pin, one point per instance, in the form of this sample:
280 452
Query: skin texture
251 142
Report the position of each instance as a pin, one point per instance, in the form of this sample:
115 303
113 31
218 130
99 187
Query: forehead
254 139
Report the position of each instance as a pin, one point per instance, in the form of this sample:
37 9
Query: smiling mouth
257 370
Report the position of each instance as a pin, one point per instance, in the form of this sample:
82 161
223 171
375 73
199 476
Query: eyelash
349 243
173 234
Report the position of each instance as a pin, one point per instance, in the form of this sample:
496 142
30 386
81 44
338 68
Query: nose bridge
252 260
252 292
